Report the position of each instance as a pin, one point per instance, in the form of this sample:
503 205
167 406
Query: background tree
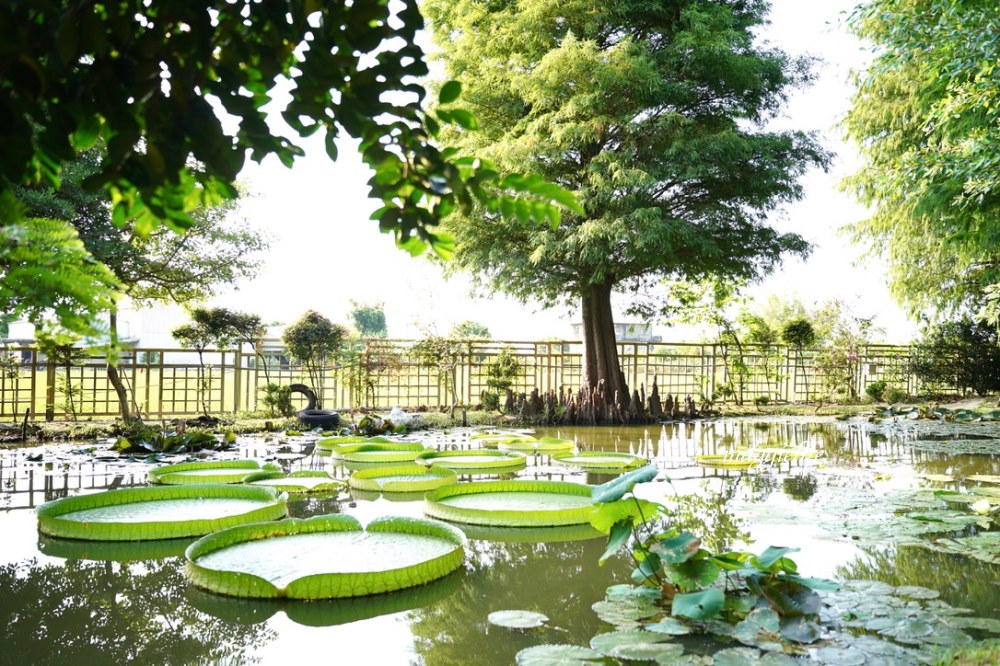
160 266
926 119
653 115
316 342
468 330
799 334
369 319
963 353
199 337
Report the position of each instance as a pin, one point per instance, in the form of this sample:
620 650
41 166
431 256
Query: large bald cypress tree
653 113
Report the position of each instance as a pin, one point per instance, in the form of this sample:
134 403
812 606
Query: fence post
50 390
237 377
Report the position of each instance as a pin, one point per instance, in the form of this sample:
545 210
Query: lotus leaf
517 619
600 460
140 514
740 656
511 503
669 625
617 488
222 471
324 557
337 444
611 642
390 452
297 482
698 605
402 479
474 460
558 655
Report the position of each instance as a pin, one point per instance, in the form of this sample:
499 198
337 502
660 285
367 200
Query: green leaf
557 655
616 489
517 619
698 605
465 119
619 536
677 549
636 511
771 556
450 91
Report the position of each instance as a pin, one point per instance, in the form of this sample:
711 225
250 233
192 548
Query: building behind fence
166 383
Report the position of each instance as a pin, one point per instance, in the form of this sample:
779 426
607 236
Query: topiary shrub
876 390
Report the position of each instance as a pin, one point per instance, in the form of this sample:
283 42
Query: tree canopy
653 116
926 118
178 91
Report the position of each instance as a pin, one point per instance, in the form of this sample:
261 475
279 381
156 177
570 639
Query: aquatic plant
511 503
136 514
335 557
218 471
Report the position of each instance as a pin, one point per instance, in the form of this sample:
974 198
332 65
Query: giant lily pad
511 503
389 452
220 471
296 482
337 445
531 445
600 461
728 461
402 478
324 557
137 514
474 460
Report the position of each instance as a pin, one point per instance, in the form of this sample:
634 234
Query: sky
325 252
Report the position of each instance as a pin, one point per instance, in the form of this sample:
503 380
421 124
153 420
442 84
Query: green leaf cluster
926 119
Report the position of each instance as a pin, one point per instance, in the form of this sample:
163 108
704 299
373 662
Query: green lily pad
517 619
473 460
401 478
609 642
669 626
698 605
558 655
221 471
600 460
841 656
740 656
511 503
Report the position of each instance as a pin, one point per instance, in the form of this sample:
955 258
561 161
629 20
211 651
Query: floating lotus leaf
841 656
698 605
741 656
336 445
670 626
402 479
556 534
937 478
474 460
614 642
601 461
323 612
728 461
221 471
297 482
984 478
511 503
324 557
558 655
517 619
153 513
531 445
382 453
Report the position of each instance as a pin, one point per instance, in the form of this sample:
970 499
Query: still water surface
64 602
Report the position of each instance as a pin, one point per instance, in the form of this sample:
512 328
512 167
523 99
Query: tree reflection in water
963 582
86 612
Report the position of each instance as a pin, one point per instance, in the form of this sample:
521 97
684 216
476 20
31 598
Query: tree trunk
113 376
601 367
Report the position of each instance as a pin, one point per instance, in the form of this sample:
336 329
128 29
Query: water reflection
111 613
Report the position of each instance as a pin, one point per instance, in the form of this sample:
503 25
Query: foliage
367 363
838 362
501 372
199 337
798 333
698 584
152 441
445 356
369 319
45 270
315 342
926 118
278 399
963 353
142 78
654 117
468 330
876 390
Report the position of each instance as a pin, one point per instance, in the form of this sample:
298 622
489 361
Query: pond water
863 508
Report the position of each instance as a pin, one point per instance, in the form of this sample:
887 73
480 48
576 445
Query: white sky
326 252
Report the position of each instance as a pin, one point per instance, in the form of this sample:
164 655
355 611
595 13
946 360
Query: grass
984 653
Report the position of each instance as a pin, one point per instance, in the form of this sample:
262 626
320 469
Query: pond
859 501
